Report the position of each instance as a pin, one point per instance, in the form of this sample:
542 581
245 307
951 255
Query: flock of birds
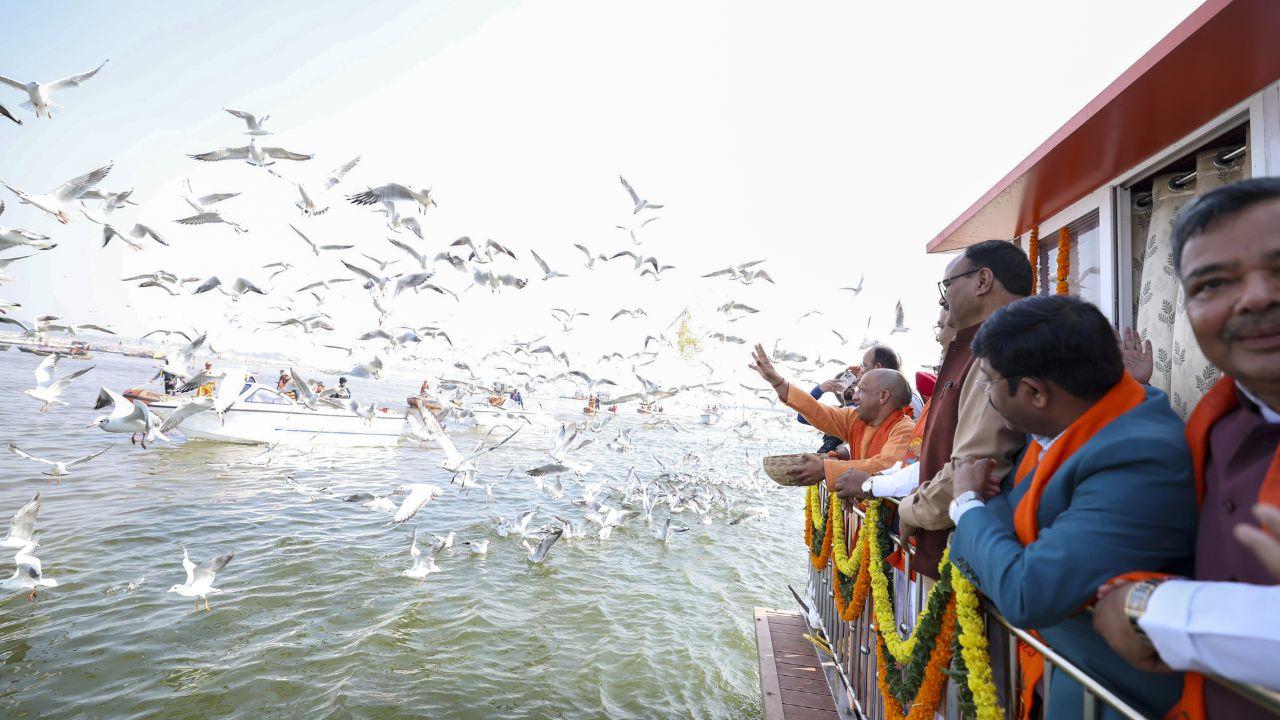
405 268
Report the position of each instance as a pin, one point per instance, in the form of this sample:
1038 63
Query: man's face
959 296
1231 276
868 363
866 396
1009 406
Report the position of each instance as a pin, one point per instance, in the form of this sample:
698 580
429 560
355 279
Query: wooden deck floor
792 683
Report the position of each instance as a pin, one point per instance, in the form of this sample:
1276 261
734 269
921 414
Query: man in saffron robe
1227 255
877 429
1103 487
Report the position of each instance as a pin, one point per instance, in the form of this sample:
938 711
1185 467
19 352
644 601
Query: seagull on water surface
423 563
29 573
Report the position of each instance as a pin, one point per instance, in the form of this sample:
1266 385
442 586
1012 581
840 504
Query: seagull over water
538 554
252 154
417 495
253 122
127 416
423 563
47 389
13 237
58 469
41 94
22 527
28 574
199 582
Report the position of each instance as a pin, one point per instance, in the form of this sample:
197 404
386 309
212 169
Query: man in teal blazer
1116 496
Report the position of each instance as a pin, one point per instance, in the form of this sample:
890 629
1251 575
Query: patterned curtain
1180 368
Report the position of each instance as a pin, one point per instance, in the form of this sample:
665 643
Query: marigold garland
1064 260
929 695
858 567
973 648
820 555
901 648
1033 254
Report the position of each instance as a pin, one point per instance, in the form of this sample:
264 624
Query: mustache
1248 325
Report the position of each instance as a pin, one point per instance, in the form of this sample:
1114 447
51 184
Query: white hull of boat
291 425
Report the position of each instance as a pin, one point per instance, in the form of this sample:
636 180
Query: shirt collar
1045 442
1268 413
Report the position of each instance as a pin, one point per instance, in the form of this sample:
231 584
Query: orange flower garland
1064 260
929 696
1033 254
820 561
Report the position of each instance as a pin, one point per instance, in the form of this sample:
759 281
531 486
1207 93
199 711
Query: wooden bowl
782 469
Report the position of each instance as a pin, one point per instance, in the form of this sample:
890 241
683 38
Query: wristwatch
1135 604
867 486
961 499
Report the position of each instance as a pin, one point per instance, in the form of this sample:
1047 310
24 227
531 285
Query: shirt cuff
896 484
958 511
1165 622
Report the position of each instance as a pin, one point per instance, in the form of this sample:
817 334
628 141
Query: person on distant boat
877 428
342 392
1104 487
170 383
516 397
282 381
206 390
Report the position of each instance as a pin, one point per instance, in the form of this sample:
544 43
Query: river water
316 621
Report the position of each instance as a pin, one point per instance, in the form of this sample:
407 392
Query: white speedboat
258 414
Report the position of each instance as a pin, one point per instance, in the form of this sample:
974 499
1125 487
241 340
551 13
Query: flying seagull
391 192
41 94
59 201
22 527
199 582
13 237
28 574
423 563
640 203
898 326
47 389
253 122
252 154
59 469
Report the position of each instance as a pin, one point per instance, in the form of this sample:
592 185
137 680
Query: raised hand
1136 354
764 366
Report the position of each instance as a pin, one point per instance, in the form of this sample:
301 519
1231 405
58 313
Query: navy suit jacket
1125 501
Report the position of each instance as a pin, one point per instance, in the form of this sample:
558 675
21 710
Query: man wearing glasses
986 277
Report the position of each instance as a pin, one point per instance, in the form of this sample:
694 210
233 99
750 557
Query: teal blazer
1125 501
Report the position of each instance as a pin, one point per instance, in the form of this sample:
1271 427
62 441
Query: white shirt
1271 416
896 482
1227 629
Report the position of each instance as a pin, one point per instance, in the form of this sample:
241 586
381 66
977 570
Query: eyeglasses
945 283
1012 380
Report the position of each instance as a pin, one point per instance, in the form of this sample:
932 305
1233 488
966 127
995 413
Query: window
268 397
1084 274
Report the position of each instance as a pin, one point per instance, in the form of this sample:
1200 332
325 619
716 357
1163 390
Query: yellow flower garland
973 648
845 562
900 648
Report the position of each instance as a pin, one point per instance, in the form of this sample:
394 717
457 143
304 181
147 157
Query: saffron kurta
845 423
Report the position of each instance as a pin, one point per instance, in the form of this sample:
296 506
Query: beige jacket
980 433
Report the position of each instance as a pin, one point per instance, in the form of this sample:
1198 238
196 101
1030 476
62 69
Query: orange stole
1125 396
1220 400
878 438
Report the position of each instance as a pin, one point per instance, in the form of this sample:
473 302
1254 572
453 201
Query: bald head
880 393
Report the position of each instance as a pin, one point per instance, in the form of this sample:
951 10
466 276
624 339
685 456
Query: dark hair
885 357
1203 213
1006 261
1058 338
342 381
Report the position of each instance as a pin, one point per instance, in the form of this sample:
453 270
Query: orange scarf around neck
1125 396
879 438
916 441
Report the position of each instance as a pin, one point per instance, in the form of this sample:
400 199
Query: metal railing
858 696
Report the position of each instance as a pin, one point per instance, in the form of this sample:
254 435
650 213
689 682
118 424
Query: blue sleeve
1135 514
816 393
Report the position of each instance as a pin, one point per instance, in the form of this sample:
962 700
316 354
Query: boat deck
793 682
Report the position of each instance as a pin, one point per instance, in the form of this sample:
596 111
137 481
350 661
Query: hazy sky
831 139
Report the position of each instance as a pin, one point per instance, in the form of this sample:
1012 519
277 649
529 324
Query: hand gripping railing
854 646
